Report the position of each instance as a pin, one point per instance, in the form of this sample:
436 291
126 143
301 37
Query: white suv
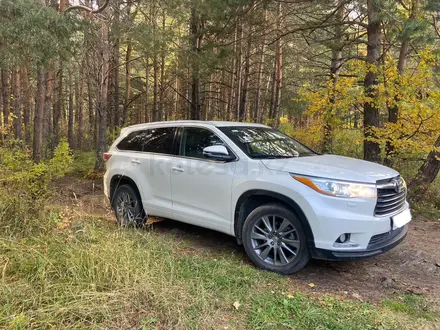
284 202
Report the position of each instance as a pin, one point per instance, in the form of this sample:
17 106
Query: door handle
177 169
135 161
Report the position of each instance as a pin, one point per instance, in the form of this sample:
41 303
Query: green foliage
24 185
348 142
31 31
22 177
82 163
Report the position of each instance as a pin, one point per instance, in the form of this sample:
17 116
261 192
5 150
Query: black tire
133 215
288 251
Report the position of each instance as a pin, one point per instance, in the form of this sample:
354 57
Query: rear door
201 188
154 167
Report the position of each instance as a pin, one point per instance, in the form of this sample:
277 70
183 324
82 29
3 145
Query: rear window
157 140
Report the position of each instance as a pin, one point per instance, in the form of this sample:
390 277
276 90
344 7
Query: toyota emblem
397 185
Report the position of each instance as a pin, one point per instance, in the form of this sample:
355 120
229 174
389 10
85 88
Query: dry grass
88 273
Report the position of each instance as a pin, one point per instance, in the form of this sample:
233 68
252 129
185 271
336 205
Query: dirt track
412 267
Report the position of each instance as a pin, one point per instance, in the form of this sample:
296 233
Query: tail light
106 156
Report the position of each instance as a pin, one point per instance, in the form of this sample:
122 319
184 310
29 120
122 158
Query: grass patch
413 305
297 311
94 275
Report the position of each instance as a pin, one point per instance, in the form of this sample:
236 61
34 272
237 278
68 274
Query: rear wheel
274 239
128 207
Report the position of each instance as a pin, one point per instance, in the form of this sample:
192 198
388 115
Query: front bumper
378 244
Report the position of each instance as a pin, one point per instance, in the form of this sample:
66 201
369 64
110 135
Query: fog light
343 241
343 238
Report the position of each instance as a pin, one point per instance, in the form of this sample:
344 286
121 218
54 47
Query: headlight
338 188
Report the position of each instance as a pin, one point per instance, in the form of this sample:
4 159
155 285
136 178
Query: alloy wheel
126 209
275 240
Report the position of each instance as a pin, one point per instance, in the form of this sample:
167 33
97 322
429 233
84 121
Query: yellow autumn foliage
416 94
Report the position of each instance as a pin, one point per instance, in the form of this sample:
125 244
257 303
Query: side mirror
218 153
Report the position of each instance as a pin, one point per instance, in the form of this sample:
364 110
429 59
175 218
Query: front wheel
274 239
128 207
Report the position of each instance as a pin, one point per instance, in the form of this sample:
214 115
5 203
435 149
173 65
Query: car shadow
202 239
214 242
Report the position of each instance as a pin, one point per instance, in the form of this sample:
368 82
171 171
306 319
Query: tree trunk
239 72
116 118
103 99
195 42
79 94
116 113
267 106
70 137
26 102
38 115
278 72
371 110
57 100
222 97
147 90
232 85
257 109
334 74
244 91
6 94
209 100
17 104
162 76
155 88
92 131
47 119
127 82
176 91
426 173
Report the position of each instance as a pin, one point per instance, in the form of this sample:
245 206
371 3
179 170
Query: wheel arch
251 199
119 180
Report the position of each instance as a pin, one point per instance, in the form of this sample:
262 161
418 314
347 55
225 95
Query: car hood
332 167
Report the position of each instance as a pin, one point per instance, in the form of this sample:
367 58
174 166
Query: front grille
391 196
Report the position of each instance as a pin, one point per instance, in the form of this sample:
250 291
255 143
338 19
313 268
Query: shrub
24 185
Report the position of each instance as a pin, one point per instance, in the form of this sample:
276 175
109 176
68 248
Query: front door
200 187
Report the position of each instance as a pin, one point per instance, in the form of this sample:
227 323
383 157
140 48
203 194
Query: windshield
265 142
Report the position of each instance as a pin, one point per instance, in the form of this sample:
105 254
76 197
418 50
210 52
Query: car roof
190 122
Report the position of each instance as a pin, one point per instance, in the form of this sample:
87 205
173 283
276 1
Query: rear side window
131 142
157 140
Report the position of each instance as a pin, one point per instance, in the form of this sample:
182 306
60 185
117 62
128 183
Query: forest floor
403 280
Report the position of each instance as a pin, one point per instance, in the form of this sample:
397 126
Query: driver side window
195 139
